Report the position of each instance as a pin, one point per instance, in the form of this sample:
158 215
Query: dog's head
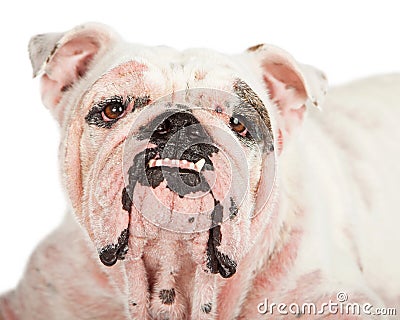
160 143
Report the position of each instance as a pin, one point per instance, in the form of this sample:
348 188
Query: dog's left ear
292 86
64 58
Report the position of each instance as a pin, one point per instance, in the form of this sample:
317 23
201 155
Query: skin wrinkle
281 253
102 160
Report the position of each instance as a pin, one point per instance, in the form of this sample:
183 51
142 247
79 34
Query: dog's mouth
183 175
178 175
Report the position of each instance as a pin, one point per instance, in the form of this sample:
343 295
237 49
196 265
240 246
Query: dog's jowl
211 186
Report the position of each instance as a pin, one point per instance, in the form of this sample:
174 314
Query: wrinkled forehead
158 72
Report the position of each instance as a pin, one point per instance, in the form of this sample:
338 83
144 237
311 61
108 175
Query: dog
211 186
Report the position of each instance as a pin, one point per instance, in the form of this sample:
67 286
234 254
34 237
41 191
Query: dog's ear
292 86
64 58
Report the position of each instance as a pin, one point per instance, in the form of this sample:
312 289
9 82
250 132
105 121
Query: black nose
173 123
178 131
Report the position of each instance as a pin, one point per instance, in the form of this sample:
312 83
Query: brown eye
113 110
237 126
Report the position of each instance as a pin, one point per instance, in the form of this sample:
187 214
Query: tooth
191 166
159 163
184 161
152 163
200 164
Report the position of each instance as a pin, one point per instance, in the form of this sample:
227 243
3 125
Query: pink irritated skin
166 274
104 165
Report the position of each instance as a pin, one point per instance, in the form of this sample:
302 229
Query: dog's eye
237 126
105 113
113 110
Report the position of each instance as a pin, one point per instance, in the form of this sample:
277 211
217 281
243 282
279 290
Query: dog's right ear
64 58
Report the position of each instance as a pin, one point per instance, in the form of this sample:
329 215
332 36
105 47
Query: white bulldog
212 186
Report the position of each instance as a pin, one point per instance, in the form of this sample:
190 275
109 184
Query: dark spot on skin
126 201
218 262
140 102
207 307
233 209
113 252
255 48
134 304
108 255
226 267
66 88
218 109
167 296
199 75
191 219
271 148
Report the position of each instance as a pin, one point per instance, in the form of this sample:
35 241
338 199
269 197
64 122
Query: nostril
164 127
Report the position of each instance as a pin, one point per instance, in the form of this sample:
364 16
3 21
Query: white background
346 39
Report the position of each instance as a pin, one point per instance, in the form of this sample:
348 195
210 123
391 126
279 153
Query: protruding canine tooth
200 164
152 163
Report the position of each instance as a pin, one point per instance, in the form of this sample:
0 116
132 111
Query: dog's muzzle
187 169
180 162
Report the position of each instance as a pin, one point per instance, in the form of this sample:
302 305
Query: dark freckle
233 209
167 296
271 148
191 219
206 308
134 304
200 75
66 87
218 109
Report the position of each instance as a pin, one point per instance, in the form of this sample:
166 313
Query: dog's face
165 144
